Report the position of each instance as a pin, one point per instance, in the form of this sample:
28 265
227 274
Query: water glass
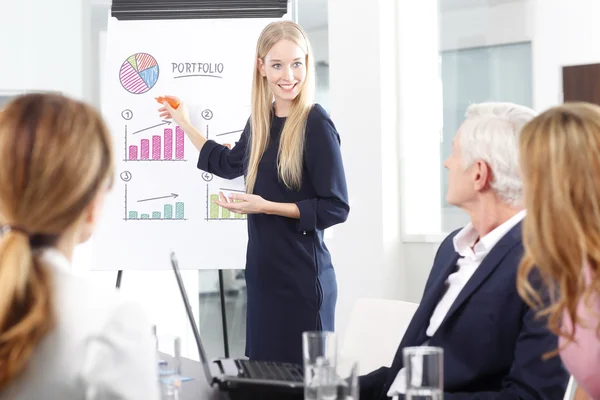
169 366
347 379
320 357
424 373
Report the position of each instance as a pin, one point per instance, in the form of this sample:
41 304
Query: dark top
493 343
290 279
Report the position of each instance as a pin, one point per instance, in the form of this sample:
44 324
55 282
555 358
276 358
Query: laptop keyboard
271 371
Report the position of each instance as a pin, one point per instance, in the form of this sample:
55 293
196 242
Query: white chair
571 388
374 332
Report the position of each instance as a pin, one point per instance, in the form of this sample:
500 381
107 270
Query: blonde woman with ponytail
289 154
60 337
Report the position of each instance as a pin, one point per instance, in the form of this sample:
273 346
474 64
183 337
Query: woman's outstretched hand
242 203
180 115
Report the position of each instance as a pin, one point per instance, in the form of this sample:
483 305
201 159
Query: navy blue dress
290 279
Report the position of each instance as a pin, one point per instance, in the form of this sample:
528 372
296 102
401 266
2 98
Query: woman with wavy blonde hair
289 154
560 164
60 336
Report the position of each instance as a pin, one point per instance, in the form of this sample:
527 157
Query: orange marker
172 102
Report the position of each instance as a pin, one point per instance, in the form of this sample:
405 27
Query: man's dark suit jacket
493 343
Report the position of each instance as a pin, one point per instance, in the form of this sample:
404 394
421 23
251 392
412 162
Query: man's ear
483 175
261 68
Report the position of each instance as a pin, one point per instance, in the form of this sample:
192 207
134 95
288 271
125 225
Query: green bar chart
215 212
165 214
168 211
159 208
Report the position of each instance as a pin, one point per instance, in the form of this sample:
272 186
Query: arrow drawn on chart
229 133
231 190
145 129
173 195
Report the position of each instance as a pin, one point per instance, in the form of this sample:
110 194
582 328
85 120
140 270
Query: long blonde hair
291 146
560 163
55 155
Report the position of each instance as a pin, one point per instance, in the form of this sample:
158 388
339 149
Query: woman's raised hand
179 115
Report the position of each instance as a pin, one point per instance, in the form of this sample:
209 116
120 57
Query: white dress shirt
102 346
472 254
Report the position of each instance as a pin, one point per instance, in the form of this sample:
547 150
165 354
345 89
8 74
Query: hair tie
14 228
36 240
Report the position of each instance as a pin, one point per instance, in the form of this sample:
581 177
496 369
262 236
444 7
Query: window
464 55
497 73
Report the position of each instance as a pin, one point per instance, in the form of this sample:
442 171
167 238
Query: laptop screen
188 310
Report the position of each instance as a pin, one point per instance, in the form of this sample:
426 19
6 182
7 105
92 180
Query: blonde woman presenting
289 154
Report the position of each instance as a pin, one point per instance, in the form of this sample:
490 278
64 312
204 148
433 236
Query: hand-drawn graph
167 211
159 147
214 212
227 137
139 73
221 137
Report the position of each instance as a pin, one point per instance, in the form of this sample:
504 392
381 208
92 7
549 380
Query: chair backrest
571 389
374 332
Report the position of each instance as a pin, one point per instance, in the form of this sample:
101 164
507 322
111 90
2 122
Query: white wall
566 33
367 248
43 50
487 26
42 46
319 39
13 51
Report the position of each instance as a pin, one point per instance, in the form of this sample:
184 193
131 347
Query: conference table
199 389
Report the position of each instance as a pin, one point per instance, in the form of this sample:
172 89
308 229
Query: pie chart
139 73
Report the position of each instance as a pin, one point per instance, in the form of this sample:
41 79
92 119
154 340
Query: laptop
233 374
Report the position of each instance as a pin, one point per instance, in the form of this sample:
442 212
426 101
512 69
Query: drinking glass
320 358
424 372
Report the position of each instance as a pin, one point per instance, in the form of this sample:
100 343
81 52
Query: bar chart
167 211
214 212
166 214
158 148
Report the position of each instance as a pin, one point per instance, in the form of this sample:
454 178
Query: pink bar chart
158 148
168 144
179 143
145 149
